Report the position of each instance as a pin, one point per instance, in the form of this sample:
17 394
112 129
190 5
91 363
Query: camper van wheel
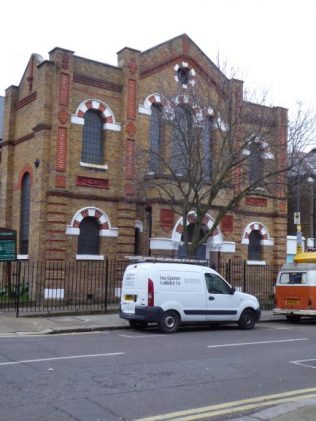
293 318
135 324
247 319
169 322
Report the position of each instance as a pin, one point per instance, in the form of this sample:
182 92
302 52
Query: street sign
297 218
7 245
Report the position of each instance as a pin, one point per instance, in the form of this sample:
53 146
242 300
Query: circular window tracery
185 75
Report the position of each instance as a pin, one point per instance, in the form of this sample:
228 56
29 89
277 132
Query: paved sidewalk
10 325
25 325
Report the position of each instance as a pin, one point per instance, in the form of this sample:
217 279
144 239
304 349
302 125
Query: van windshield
293 278
216 285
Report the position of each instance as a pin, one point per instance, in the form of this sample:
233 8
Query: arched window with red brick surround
89 239
93 138
254 246
25 205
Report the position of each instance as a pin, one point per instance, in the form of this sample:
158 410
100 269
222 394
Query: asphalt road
127 374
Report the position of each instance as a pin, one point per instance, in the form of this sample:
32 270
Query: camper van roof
299 266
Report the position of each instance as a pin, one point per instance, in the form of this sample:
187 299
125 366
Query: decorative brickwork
131 99
166 219
256 201
129 189
60 181
131 129
100 216
25 101
95 104
227 224
26 169
132 66
64 89
97 183
129 164
255 226
63 116
61 149
97 83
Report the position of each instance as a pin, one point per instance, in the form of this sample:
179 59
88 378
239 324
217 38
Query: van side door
222 305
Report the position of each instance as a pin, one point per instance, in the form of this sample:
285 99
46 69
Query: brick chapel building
70 133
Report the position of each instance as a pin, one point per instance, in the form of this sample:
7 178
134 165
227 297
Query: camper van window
293 278
216 285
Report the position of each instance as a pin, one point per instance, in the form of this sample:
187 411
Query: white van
172 293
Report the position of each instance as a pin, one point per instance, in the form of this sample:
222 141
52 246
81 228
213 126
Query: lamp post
297 219
312 180
148 210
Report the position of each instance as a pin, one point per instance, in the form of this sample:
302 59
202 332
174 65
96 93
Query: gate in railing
52 287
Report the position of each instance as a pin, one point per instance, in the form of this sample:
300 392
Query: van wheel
293 318
247 320
135 324
169 322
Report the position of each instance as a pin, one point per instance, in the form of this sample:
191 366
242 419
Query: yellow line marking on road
236 406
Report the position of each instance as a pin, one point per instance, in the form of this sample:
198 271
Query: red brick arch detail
97 215
261 228
26 169
101 107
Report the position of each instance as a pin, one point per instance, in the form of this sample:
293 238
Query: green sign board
7 245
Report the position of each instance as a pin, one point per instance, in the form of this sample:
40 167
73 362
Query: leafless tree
210 148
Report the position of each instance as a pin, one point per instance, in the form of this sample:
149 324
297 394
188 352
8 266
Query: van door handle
211 298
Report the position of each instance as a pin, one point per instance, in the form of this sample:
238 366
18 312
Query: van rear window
293 278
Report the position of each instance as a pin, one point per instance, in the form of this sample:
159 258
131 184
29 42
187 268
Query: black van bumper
144 314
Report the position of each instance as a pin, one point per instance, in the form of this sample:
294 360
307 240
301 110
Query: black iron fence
52 287
253 279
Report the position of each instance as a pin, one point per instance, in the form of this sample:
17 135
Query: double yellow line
234 407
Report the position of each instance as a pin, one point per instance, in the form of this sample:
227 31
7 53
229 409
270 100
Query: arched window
92 147
182 139
254 247
25 213
256 161
89 240
155 135
207 145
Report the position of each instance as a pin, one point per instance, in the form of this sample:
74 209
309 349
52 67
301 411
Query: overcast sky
271 43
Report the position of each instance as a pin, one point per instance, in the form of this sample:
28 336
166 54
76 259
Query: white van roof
150 259
170 266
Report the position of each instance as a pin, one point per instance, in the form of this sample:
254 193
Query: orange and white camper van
295 289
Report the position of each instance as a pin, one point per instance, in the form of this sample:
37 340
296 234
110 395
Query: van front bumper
143 313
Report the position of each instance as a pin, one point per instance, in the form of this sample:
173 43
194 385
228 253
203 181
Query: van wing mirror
232 290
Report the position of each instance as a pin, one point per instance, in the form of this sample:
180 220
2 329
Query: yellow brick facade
43 136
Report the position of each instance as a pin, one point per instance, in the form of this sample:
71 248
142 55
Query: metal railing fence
52 287
48 287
